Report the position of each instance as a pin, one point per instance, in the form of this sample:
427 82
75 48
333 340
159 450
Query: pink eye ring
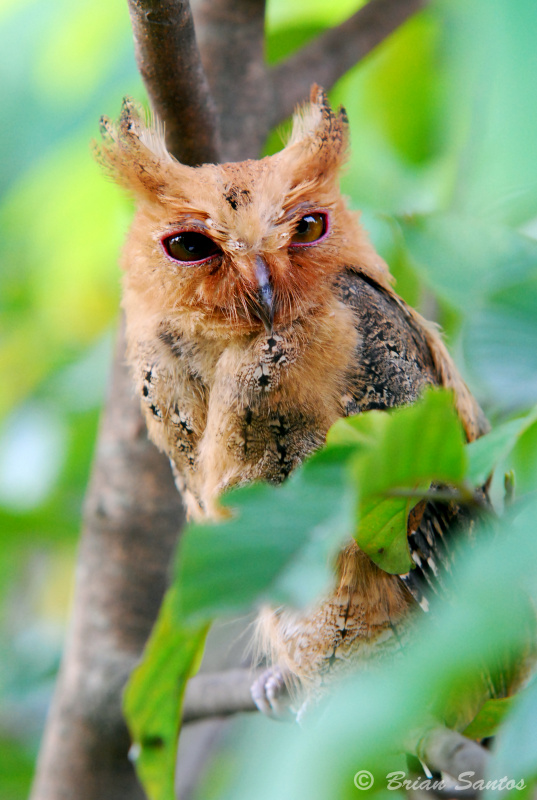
190 247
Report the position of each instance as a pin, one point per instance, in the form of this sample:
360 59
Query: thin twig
169 62
335 51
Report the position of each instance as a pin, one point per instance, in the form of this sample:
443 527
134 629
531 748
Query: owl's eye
310 228
190 246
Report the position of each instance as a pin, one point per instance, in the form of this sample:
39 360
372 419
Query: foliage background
443 119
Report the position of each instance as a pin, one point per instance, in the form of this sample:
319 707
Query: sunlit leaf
17 769
153 699
382 532
524 460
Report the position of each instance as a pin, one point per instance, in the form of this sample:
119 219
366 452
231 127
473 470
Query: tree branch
219 694
335 51
224 693
228 692
445 750
169 62
232 43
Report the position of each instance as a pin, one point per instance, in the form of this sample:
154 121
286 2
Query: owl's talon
271 695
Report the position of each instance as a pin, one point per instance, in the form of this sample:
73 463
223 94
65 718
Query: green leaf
465 260
489 718
500 348
492 45
415 444
223 567
154 695
489 273
407 449
17 769
378 712
515 754
524 460
485 453
383 528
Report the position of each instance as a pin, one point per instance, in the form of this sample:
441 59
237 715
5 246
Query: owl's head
239 246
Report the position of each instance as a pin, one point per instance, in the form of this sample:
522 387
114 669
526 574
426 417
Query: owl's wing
435 531
397 355
393 365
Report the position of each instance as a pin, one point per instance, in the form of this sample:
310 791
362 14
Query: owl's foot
271 695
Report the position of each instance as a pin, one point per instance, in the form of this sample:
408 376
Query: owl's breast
243 409
274 398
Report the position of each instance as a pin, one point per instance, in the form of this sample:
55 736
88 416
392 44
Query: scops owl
258 313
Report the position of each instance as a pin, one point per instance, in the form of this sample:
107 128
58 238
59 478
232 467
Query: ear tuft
134 152
318 133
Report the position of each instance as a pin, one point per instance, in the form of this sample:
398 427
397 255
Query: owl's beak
263 306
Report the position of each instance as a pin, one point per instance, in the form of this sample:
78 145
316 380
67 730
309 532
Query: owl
257 314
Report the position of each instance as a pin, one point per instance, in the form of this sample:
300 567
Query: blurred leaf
385 234
17 770
86 37
501 349
153 699
375 714
284 15
282 42
490 274
46 114
59 516
515 753
489 718
492 54
485 453
32 451
223 567
70 279
524 460
405 90
466 260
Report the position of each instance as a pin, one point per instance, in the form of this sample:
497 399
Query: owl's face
242 246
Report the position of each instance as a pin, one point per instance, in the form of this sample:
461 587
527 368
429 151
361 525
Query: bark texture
169 62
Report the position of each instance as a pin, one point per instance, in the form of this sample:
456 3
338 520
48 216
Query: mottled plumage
280 319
